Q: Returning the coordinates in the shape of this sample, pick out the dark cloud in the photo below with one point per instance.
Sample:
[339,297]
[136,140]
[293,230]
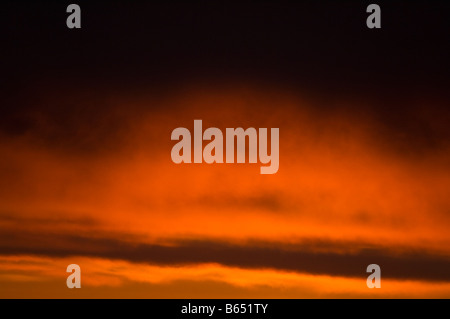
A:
[66,120]
[268,202]
[311,256]
[55,221]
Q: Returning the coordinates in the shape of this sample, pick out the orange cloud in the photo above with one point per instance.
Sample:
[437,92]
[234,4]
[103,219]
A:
[340,180]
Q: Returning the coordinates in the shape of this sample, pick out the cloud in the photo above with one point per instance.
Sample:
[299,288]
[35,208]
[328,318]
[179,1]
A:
[348,259]
[79,184]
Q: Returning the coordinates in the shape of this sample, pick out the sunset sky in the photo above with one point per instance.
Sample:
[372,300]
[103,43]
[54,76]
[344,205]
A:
[86,175]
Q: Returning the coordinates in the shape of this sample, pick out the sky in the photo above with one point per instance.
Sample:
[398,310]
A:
[86,175]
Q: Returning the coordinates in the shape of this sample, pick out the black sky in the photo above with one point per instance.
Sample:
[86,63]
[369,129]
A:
[322,47]
[319,44]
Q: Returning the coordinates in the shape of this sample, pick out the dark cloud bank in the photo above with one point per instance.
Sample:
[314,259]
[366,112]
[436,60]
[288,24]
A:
[308,257]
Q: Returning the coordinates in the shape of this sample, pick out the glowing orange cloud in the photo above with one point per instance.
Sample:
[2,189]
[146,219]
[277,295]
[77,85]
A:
[338,181]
